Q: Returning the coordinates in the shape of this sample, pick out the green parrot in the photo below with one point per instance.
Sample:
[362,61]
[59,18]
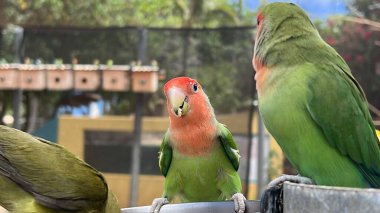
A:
[198,156]
[310,102]
[37,176]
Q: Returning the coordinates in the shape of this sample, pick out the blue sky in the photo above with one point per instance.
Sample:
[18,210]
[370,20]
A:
[317,9]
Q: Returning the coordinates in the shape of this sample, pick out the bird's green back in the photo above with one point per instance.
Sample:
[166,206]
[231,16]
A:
[47,175]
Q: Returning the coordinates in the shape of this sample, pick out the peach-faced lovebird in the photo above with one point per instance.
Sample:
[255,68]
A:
[311,103]
[39,176]
[198,156]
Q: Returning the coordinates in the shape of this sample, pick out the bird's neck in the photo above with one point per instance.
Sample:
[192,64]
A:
[193,134]
[287,42]
[275,52]
[261,73]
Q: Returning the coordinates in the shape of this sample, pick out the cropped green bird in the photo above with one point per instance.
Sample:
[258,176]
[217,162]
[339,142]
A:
[198,156]
[311,103]
[37,176]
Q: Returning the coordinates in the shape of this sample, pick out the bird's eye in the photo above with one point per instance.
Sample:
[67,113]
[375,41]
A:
[259,18]
[195,88]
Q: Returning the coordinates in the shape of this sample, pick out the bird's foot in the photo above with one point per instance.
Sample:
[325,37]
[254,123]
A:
[157,204]
[271,199]
[291,178]
[239,201]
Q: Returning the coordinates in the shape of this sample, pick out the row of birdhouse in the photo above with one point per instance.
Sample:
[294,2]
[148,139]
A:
[79,77]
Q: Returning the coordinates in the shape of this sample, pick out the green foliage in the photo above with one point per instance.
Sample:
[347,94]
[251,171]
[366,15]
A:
[7,45]
[369,8]
[68,13]
[154,13]
[221,61]
[83,45]
[219,84]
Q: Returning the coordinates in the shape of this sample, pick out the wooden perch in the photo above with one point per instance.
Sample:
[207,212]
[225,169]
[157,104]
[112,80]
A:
[374,24]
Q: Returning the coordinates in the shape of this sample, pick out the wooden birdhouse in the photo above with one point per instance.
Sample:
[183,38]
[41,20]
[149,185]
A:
[32,77]
[86,77]
[59,77]
[9,76]
[115,77]
[145,79]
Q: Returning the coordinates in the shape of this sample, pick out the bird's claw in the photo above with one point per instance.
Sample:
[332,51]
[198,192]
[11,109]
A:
[291,178]
[239,202]
[271,199]
[157,204]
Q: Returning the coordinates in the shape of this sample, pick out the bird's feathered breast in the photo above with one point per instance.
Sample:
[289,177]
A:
[195,139]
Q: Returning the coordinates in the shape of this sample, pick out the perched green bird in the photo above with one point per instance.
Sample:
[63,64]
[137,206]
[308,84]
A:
[37,176]
[311,103]
[198,156]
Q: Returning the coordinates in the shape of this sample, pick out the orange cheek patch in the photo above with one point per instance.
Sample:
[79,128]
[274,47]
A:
[261,73]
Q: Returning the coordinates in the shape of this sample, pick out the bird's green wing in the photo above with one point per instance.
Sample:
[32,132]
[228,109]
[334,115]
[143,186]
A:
[229,145]
[349,127]
[55,177]
[166,154]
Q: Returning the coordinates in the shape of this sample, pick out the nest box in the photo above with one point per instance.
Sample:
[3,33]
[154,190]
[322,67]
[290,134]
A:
[32,77]
[115,77]
[86,77]
[59,77]
[9,76]
[145,79]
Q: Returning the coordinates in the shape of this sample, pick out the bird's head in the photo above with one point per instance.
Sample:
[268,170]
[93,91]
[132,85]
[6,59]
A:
[186,99]
[278,23]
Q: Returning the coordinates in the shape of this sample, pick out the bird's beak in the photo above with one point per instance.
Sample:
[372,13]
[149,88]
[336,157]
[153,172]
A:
[179,102]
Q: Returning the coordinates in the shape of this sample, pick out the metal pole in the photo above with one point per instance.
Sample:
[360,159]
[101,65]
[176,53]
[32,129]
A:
[185,51]
[17,99]
[250,141]
[260,162]
[142,45]
[17,94]
[251,206]
[136,152]
[1,42]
